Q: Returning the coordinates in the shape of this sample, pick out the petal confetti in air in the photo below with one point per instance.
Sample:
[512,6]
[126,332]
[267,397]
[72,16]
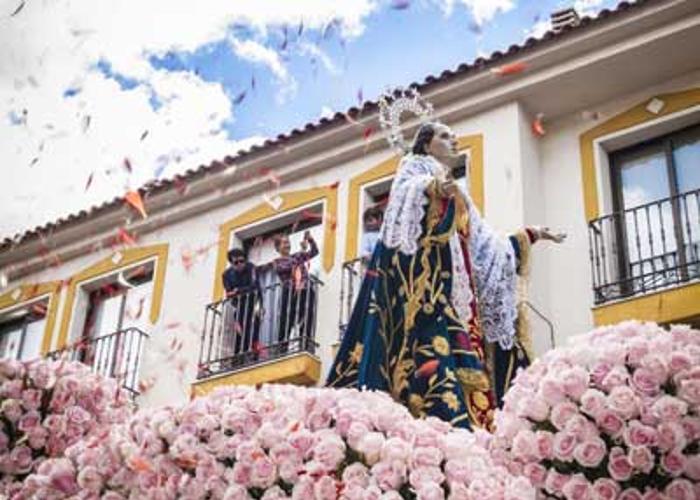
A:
[18,9]
[134,199]
[34,161]
[509,69]
[239,98]
[334,185]
[86,123]
[127,165]
[367,133]
[400,4]
[427,368]
[275,202]
[180,185]
[360,97]
[144,135]
[187,259]
[89,181]
[537,127]
[125,237]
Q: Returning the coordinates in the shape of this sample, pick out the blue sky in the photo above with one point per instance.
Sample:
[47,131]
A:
[169,87]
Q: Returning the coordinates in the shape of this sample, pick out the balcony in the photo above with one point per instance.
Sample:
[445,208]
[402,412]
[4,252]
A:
[350,283]
[117,355]
[648,248]
[249,340]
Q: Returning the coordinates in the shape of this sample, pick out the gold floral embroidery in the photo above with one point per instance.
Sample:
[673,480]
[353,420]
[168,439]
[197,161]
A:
[428,308]
[356,354]
[480,400]
[473,379]
[451,400]
[415,404]
[441,346]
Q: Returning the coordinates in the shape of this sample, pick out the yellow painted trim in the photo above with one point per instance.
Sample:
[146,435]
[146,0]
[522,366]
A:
[673,103]
[301,369]
[668,306]
[291,200]
[30,292]
[475,144]
[130,256]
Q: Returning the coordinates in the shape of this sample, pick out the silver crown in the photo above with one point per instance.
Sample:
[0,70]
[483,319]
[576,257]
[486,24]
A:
[392,104]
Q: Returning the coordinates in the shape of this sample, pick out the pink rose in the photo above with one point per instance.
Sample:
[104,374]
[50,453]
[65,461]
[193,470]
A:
[536,409]
[395,449]
[29,421]
[423,475]
[652,494]
[623,401]
[426,457]
[638,434]
[389,475]
[77,416]
[302,440]
[645,382]
[617,376]
[552,391]
[575,381]
[619,466]
[242,473]
[458,471]
[692,467]
[325,489]
[641,458]
[691,428]
[42,375]
[545,444]
[577,488]
[89,479]
[564,444]
[605,489]
[356,432]
[679,361]
[535,473]
[370,447]
[238,492]
[609,422]
[667,408]
[329,452]
[562,412]
[689,391]
[581,427]
[263,473]
[524,446]
[630,494]
[680,489]
[21,459]
[555,482]
[592,402]
[671,435]
[591,452]
[356,473]
[599,372]
[673,462]
[430,491]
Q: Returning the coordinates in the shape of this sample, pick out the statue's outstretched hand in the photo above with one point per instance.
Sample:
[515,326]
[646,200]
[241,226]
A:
[546,234]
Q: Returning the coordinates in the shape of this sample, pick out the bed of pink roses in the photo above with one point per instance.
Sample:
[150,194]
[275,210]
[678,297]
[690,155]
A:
[280,442]
[614,415]
[46,406]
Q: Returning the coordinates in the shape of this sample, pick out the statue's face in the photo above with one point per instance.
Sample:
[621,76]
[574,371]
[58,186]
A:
[444,143]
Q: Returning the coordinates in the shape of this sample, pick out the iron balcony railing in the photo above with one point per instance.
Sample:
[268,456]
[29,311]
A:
[350,282]
[254,327]
[645,248]
[117,355]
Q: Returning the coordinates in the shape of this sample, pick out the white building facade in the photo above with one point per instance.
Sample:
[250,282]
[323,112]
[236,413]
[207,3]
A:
[617,169]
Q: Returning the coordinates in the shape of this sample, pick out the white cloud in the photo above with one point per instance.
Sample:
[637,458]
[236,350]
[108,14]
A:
[255,52]
[482,10]
[51,46]
[326,112]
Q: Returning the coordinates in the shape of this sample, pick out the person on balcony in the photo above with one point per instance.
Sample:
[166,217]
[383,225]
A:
[298,296]
[244,305]
[436,323]
[372,222]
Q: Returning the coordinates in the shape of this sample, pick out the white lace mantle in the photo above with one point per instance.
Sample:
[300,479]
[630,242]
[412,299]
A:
[493,259]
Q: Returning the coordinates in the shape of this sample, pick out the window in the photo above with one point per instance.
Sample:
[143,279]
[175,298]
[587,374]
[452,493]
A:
[22,331]
[656,200]
[115,311]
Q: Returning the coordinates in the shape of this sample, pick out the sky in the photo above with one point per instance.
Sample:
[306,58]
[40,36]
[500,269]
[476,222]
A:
[100,97]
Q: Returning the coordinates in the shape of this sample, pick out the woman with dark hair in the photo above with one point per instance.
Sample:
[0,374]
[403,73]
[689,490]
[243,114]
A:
[436,323]
[298,299]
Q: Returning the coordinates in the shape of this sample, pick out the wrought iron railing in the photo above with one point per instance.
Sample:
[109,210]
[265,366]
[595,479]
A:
[254,327]
[645,248]
[117,355]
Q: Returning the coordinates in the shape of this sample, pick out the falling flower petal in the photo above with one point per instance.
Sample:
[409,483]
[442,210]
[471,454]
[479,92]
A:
[180,186]
[134,199]
[400,4]
[334,185]
[187,259]
[86,122]
[89,181]
[367,133]
[144,135]
[509,69]
[18,9]
[126,238]
[239,98]
[34,161]
[537,127]
[127,165]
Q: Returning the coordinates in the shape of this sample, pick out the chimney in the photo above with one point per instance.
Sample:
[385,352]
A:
[564,18]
